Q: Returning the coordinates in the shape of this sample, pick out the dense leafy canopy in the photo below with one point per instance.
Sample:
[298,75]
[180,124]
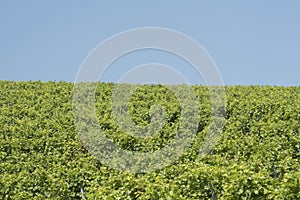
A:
[257,156]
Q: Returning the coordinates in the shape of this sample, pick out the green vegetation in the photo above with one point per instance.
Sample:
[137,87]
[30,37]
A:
[257,156]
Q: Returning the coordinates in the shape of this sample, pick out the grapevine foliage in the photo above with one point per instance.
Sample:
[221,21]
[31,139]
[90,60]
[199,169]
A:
[257,156]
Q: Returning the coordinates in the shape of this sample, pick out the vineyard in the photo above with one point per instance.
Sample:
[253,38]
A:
[256,156]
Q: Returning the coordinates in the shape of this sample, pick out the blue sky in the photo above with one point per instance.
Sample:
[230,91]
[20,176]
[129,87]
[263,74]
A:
[253,42]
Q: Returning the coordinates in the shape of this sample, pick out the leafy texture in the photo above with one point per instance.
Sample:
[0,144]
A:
[257,156]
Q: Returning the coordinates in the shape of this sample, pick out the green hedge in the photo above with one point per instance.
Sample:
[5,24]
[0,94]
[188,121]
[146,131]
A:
[257,156]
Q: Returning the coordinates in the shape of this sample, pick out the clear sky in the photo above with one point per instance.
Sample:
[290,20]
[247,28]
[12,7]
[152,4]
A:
[251,42]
